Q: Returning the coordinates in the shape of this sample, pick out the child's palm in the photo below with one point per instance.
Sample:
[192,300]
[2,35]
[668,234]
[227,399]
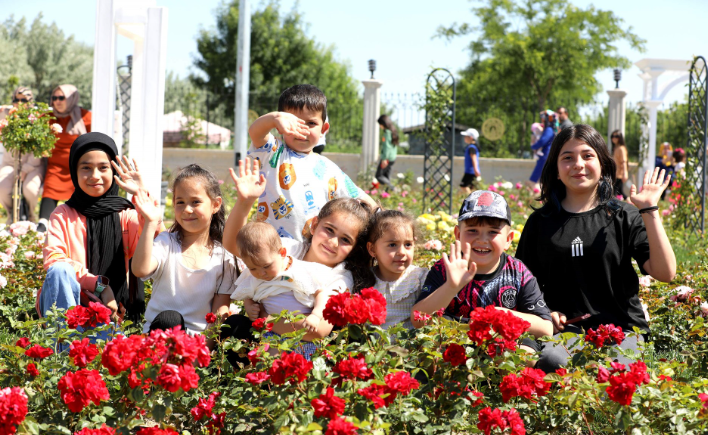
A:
[287,123]
[650,192]
[250,183]
[460,270]
[146,206]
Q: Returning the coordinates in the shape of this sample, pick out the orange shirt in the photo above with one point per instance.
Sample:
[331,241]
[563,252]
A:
[57,182]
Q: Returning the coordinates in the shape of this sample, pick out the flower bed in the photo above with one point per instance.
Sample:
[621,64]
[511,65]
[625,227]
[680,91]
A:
[444,378]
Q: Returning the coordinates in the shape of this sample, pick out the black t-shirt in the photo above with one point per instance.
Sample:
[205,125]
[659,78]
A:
[510,286]
[583,263]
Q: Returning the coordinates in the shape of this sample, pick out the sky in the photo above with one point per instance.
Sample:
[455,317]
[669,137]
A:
[398,34]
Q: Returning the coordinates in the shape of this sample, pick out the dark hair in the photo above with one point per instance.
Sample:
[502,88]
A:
[486,220]
[211,185]
[553,189]
[357,262]
[388,125]
[620,139]
[679,155]
[303,96]
[561,108]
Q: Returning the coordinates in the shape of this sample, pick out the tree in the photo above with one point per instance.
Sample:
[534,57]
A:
[531,53]
[42,57]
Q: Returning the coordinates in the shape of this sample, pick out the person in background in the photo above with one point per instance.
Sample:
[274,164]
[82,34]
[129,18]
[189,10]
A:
[543,145]
[565,122]
[536,132]
[665,161]
[74,121]
[619,154]
[31,172]
[389,150]
[471,160]
[679,157]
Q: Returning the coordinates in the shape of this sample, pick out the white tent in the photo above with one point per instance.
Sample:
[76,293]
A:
[175,123]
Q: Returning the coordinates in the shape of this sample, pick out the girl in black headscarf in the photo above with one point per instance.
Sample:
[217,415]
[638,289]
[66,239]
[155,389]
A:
[91,238]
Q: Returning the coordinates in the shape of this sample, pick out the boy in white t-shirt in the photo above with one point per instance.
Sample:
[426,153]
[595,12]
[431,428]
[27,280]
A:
[275,281]
[299,182]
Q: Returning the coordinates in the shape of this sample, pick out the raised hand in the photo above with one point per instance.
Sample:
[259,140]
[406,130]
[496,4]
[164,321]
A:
[654,184]
[146,207]
[460,271]
[129,177]
[250,183]
[289,124]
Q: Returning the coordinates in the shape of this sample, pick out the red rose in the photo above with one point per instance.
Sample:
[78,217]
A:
[83,352]
[703,397]
[260,323]
[169,378]
[291,366]
[254,355]
[13,409]
[375,393]
[509,326]
[23,342]
[357,310]
[455,354]
[561,371]
[210,318]
[603,334]
[421,317]
[376,303]
[665,378]
[217,422]
[603,375]
[479,397]
[401,382]
[514,421]
[257,378]
[489,419]
[77,316]
[204,406]
[529,384]
[335,311]
[103,430]
[338,426]
[120,353]
[156,431]
[38,351]
[81,388]
[353,368]
[100,314]
[32,369]
[623,384]
[328,405]
[190,378]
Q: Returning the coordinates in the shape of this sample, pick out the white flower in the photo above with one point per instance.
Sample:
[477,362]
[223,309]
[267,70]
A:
[433,245]
[400,175]
[704,308]
[645,281]
[419,180]
[3,281]
[446,177]
[646,311]
[507,185]
[56,128]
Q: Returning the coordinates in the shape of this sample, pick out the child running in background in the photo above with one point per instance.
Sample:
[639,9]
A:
[336,239]
[392,238]
[193,274]
[471,160]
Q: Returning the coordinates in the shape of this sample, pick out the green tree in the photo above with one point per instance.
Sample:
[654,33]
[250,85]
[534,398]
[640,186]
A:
[42,57]
[531,55]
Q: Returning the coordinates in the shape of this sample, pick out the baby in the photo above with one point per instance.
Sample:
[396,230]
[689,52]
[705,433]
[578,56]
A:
[275,281]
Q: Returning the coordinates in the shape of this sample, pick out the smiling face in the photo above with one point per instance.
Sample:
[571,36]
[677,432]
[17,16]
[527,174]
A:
[194,208]
[60,105]
[333,238]
[266,265]
[94,173]
[579,168]
[393,251]
[487,238]
[313,121]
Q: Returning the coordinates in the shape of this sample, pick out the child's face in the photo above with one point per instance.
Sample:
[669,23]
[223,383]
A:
[468,139]
[393,251]
[487,242]
[94,173]
[317,127]
[194,208]
[579,167]
[333,238]
[267,265]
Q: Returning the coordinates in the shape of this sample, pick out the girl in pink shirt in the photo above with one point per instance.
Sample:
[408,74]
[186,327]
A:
[91,238]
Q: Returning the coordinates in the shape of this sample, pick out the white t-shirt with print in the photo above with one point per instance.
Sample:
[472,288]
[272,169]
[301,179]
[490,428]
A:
[298,185]
[343,280]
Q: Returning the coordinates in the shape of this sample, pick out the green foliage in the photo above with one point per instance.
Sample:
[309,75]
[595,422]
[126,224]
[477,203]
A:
[42,57]
[27,129]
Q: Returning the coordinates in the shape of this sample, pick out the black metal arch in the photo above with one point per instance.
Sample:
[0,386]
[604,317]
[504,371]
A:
[697,141]
[439,140]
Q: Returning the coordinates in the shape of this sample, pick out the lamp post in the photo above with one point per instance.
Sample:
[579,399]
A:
[372,67]
[618,77]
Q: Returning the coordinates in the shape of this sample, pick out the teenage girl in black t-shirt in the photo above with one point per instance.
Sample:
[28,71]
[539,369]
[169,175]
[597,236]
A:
[581,243]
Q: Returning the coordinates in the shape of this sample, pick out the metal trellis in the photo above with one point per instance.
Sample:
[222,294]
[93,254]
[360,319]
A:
[697,141]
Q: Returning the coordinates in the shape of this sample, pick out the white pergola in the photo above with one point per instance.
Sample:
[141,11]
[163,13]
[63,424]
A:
[146,25]
[654,94]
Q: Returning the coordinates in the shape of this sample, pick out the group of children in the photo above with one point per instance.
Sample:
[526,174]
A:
[316,234]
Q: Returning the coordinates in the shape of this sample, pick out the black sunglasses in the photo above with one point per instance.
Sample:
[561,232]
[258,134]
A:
[614,136]
[23,100]
[60,98]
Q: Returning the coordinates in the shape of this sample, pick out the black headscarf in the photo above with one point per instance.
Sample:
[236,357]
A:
[104,245]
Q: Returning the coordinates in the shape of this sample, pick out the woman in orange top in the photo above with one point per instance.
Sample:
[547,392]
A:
[74,121]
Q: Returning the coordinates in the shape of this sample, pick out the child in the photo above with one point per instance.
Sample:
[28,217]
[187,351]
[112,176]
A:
[581,243]
[192,273]
[300,182]
[479,273]
[392,237]
[276,281]
[471,160]
[619,154]
[92,236]
[388,152]
[542,145]
[536,132]
[679,156]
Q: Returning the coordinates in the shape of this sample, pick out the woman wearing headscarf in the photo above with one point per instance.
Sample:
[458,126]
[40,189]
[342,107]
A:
[31,172]
[74,121]
[549,120]
[91,237]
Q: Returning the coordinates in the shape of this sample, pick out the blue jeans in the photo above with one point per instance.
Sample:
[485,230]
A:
[63,290]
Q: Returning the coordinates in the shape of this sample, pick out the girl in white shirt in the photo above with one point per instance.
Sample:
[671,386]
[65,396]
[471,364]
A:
[193,275]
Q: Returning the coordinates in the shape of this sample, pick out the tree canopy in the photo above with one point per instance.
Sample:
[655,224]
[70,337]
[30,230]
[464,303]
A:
[42,57]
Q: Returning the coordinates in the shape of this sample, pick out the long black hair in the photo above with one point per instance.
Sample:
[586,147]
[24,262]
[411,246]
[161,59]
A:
[386,122]
[211,186]
[553,189]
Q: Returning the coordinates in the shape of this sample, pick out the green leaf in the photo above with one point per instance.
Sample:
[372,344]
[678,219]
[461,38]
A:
[158,412]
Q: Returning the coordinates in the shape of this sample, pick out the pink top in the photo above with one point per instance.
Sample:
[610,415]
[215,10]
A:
[66,241]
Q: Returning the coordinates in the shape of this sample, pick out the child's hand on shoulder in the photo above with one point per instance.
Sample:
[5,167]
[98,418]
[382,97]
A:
[650,192]
[460,271]
[146,207]
[289,124]
[312,322]
[250,183]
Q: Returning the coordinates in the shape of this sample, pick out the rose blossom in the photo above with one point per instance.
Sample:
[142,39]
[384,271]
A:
[455,354]
[13,409]
[79,389]
[103,430]
[328,405]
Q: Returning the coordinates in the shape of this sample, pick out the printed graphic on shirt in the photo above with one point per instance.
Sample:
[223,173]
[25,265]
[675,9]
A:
[262,212]
[507,297]
[320,169]
[282,232]
[276,155]
[286,176]
[310,206]
[577,247]
[332,189]
[281,207]
[352,190]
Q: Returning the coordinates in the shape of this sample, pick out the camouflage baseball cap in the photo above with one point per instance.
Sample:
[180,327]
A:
[485,203]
